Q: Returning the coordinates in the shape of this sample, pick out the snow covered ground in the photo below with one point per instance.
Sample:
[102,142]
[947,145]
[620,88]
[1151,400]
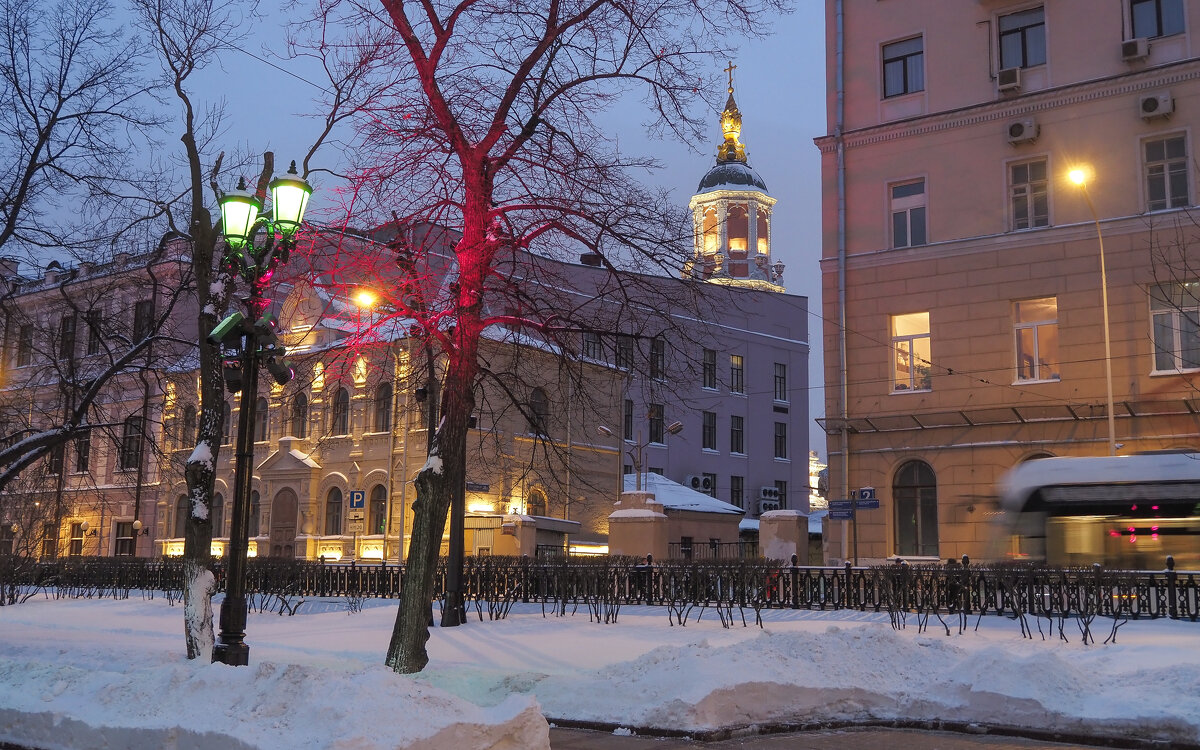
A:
[91,674]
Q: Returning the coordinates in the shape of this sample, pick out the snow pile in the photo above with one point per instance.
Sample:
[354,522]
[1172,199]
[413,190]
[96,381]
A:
[92,674]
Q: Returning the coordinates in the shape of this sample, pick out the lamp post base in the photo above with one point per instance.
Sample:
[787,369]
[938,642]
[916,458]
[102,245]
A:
[234,654]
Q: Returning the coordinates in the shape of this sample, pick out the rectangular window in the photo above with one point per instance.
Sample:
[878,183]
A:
[1023,39]
[93,324]
[658,358]
[624,352]
[737,435]
[709,376]
[1175,314]
[709,430]
[54,461]
[143,319]
[712,484]
[593,347]
[627,431]
[627,468]
[781,488]
[66,337]
[781,448]
[910,346]
[657,470]
[49,540]
[656,423]
[737,491]
[8,539]
[76,548]
[1027,194]
[781,389]
[1166,173]
[24,345]
[908,214]
[124,533]
[1036,323]
[1153,18]
[737,374]
[83,450]
[129,453]
[904,67]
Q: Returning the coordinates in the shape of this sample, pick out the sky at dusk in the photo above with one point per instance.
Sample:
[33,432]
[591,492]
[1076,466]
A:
[780,90]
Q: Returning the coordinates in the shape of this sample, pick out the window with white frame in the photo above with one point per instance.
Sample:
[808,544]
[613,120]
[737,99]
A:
[904,67]
[1027,193]
[1175,320]
[910,350]
[1036,324]
[1023,38]
[781,389]
[781,442]
[1154,18]
[1166,173]
[908,213]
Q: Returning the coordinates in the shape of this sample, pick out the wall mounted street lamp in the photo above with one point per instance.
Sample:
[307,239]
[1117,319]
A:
[635,452]
[247,339]
[84,528]
[1079,176]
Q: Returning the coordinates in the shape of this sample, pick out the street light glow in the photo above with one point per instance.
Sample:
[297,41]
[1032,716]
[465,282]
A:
[365,298]
[1077,176]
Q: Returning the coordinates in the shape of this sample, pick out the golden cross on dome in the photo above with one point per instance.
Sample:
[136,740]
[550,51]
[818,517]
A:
[730,70]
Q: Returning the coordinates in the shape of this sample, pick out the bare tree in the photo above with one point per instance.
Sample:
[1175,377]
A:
[488,124]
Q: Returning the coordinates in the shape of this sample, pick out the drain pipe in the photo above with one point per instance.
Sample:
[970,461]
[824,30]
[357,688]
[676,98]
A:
[843,385]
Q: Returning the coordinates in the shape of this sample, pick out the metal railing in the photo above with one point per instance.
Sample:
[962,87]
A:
[1011,590]
[741,550]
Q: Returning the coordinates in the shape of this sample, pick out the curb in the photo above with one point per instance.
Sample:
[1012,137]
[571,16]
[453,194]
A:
[960,727]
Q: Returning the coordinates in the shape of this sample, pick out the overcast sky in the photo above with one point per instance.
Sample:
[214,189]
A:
[780,90]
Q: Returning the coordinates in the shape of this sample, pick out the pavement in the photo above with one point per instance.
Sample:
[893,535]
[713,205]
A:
[830,739]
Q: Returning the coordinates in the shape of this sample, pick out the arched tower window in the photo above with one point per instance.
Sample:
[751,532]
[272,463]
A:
[763,231]
[738,230]
[711,229]
[914,494]
[340,422]
[300,416]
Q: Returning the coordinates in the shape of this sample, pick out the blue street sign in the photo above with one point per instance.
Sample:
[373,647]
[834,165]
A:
[841,515]
[840,505]
[866,493]
[358,500]
[871,504]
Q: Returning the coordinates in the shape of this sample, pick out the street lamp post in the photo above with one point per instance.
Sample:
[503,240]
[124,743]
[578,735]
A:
[1079,177]
[635,453]
[250,336]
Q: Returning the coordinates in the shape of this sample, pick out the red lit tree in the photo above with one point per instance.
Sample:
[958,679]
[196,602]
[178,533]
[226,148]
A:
[485,117]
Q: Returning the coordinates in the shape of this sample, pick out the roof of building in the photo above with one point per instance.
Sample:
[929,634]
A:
[731,176]
[675,496]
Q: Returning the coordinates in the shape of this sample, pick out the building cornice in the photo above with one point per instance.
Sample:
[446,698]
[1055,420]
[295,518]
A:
[1019,106]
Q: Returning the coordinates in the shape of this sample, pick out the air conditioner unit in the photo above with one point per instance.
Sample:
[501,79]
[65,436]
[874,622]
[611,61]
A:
[699,484]
[769,493]
[767,505]
[1133,50]
[1022,131]
[1009,79]
[1160,104]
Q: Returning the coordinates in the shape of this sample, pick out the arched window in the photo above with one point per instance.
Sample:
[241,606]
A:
[255,509]
[300,416]
[737,226]
[378,510]
[226,424]
[181,514]
[536,505]
[383,408]
[187,427]
[262,427]
[764,231]
[339,423]
[712,231]
[218,515]
[914,493]
[333,513]
[539,411]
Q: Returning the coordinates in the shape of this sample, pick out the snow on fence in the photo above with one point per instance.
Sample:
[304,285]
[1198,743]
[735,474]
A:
[1015,590]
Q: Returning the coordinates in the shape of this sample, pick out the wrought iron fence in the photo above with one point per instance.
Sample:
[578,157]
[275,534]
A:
[951,588]
[713,550]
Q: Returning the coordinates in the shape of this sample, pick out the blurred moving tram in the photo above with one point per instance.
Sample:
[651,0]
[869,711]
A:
[1122,511]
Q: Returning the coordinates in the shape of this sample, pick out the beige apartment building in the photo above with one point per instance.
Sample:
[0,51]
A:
[963,294]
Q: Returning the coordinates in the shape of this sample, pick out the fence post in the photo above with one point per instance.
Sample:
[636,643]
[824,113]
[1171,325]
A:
[1172,604]
[795,582]
[846,587]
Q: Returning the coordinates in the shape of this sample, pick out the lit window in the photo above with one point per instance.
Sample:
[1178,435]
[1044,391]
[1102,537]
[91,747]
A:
[910,347]
[737,374]
[1037,338]
[1166,173]
[1027,186]
[904,67]
[1175,313]
[1154,18]
[908,214]
[1023,39]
